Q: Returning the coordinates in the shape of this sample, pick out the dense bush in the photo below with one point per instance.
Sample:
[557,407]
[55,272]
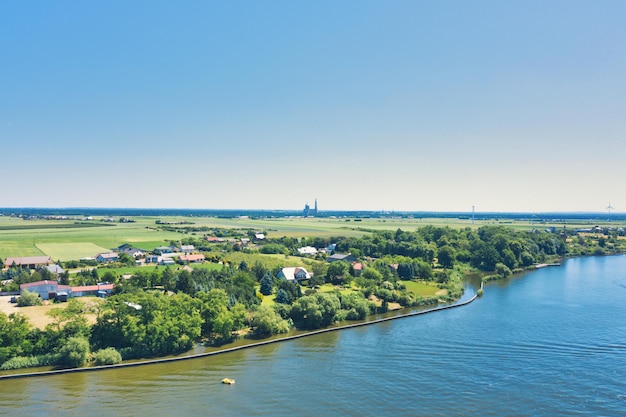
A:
[28,299]
[108,356]
[29,362]
[74,352]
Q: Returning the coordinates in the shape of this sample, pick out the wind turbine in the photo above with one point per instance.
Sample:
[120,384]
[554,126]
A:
[609,208]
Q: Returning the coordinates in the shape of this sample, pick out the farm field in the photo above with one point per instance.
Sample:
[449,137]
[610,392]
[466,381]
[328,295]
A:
[66,239]
[70,251]
[69,241]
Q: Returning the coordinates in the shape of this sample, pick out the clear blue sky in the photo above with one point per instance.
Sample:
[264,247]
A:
[395,105]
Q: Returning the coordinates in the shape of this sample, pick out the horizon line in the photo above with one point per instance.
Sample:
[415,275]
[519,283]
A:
[300,210]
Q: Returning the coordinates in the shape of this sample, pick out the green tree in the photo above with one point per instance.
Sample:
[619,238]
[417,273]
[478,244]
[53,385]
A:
[14,332]
[184,283]
[315,311]
[74,352]
[283,297]
[371,274]
[319,271]
[503,270]
[337,271]
[266,321]
[126,259]
[267,284]
[446,256]
[64,278]
[259,270]
[214,303]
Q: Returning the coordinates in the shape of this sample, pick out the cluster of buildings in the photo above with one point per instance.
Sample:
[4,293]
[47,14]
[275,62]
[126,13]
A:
[162,255]
[49,289]
[52,290]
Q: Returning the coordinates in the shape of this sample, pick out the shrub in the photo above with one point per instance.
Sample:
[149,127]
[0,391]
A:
[502,269]
[108,356]
[18,362]
[28,299]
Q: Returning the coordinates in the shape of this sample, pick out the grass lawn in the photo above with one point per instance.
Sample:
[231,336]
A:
[332,288]
[269,300]
[423,289]
[269,261]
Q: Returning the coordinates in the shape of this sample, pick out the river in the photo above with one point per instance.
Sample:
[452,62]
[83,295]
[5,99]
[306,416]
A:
[551,342]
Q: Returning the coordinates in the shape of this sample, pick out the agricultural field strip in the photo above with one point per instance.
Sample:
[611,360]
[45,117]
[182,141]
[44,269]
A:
[27,241]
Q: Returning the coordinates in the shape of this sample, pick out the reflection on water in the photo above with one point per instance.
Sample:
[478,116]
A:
[552,342]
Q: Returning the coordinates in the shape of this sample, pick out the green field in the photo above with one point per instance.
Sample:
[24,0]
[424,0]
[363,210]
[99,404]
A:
[75,241]
[70,251]
[422,289]
[269,261]
[66,239]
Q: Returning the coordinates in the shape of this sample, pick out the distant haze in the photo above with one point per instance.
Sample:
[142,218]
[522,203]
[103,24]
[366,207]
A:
[513,106]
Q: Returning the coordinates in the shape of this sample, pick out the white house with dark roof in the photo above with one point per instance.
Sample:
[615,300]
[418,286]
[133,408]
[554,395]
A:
[294,274]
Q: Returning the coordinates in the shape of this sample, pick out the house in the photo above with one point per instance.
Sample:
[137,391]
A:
[259,236]
[46,289]
[153,259]
[167,261]
[133,252]
[294,274]
[162,250]
[244,241]
[55,269]
[30,262]
[107,257]
[341,257]
[192,258]
[214,239]
[357,267]
[187,248]
[307,250]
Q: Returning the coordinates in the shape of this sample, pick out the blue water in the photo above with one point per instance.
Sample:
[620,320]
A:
[549,343]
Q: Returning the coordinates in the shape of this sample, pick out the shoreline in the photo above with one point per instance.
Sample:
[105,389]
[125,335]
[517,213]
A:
[241,347]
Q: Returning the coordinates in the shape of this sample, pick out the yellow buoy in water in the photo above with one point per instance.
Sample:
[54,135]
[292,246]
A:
[228,381]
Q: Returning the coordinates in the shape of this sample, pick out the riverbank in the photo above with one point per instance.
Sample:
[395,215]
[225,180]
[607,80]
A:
[241,347]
